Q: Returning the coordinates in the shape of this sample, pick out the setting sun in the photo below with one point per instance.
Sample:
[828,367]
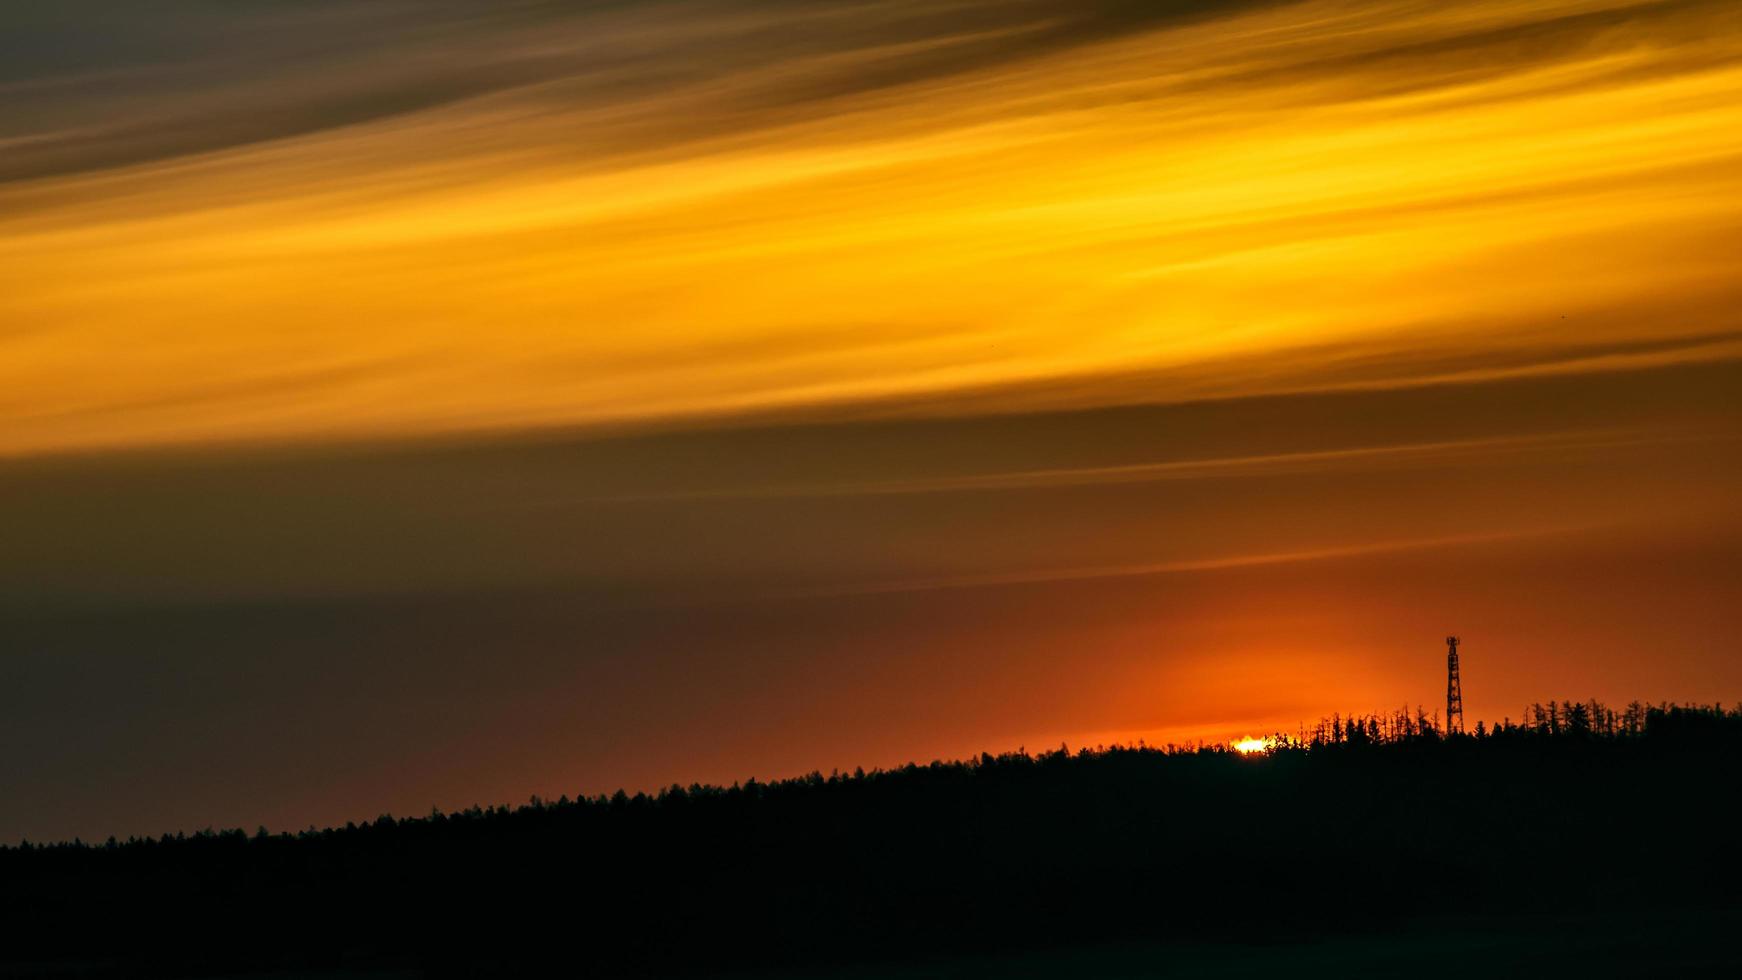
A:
[1251,746]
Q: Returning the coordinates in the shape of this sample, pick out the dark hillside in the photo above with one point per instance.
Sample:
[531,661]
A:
[1370,827]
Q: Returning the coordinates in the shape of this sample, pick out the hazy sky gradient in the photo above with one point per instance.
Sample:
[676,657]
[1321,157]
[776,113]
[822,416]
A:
[409,404]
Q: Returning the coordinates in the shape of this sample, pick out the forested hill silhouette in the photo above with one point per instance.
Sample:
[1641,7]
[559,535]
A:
[1358,825]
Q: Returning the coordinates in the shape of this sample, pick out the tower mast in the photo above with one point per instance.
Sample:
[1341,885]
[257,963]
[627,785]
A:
[1454,690]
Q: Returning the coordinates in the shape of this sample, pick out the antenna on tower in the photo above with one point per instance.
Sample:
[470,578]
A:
[1454,690]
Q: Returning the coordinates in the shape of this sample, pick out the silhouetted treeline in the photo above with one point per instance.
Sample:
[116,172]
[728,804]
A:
[1354,824]
[1578,719]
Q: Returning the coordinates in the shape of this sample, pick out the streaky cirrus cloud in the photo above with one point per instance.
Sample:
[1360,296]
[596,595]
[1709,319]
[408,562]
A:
[248,222]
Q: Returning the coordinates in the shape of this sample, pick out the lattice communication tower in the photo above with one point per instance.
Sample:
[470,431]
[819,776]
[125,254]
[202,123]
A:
[1454,690]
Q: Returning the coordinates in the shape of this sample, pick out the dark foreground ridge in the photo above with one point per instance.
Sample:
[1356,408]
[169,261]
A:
[1366,830]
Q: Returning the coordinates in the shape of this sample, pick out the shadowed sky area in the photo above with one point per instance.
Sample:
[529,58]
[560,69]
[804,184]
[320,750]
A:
[426,404]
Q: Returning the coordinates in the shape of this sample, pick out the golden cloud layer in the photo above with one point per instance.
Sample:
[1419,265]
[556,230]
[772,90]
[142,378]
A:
[672,211]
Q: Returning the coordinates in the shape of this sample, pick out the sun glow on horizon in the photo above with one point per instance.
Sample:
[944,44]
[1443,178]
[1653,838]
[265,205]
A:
[1252,746]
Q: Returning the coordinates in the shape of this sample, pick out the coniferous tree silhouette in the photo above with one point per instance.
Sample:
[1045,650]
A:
[1009,851]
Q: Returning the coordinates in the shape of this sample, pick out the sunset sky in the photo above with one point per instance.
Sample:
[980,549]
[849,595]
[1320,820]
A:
[425,404]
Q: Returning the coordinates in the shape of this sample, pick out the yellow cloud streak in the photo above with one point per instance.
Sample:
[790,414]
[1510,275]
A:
[1247,185]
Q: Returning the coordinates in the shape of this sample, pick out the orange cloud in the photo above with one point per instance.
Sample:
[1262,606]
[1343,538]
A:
[561,239]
